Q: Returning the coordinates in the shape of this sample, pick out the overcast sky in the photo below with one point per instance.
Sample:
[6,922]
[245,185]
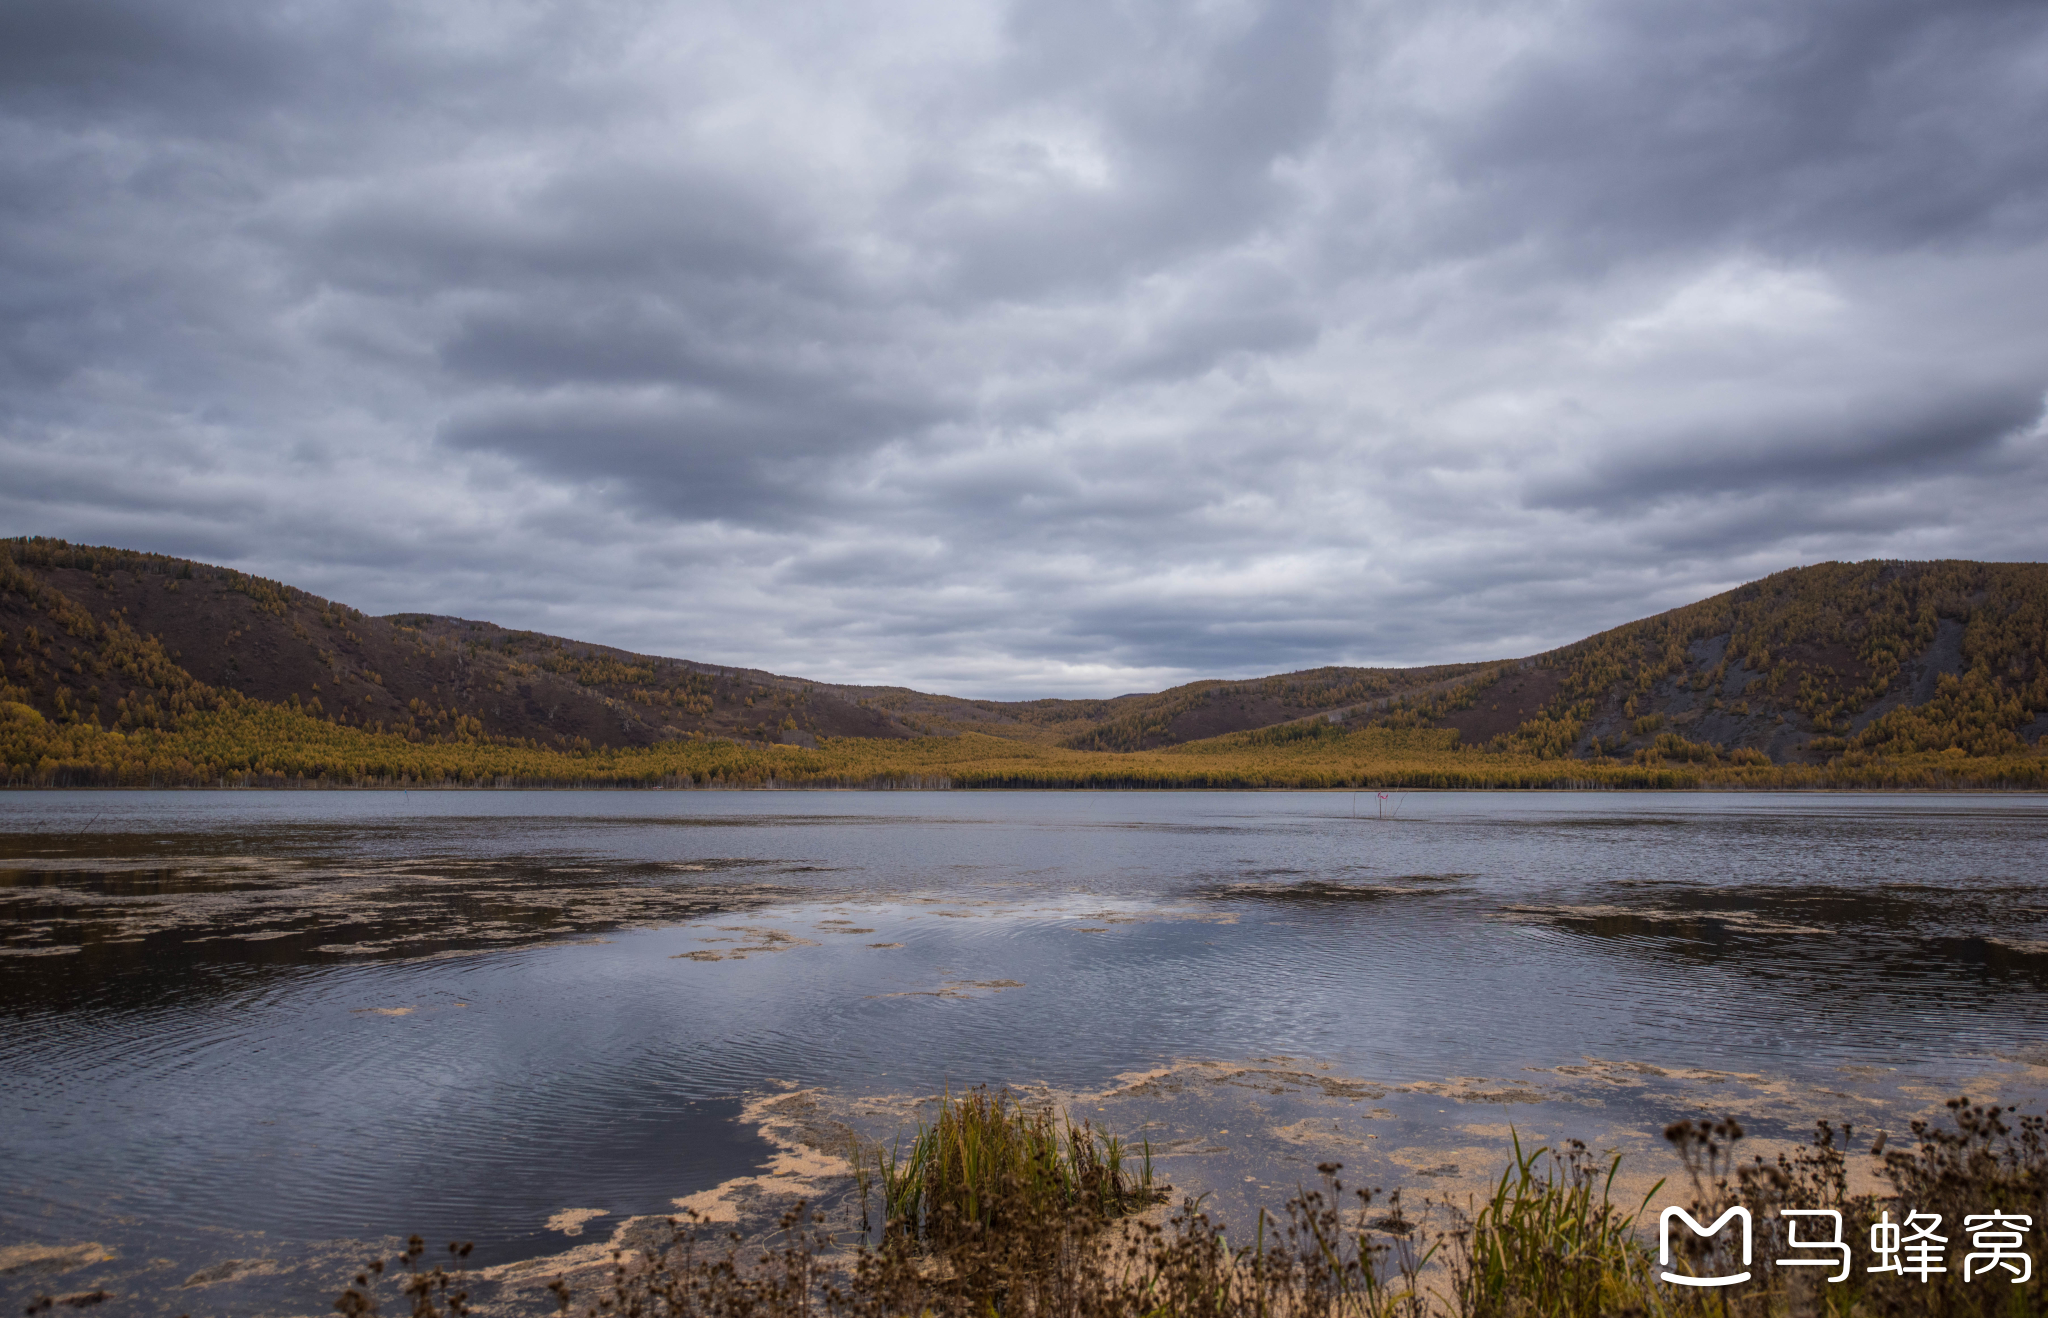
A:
[1063,347]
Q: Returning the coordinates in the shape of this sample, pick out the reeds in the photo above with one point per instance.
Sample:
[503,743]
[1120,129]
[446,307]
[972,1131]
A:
[1551,1240]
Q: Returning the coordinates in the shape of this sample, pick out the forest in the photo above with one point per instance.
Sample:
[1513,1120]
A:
[127,669]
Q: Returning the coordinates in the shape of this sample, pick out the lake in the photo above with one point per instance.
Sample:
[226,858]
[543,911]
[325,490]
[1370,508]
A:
[252,1036]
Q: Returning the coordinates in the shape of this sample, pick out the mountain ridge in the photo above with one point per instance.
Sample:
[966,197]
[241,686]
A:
[1806,666]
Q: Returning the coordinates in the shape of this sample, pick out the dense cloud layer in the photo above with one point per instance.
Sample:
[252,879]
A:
[1059,348]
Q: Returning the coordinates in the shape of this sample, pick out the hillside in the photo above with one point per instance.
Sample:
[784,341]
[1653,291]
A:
[1844,660]
[436,677]
[1801,667]
[1152,720]
[1836,666]
[131,640]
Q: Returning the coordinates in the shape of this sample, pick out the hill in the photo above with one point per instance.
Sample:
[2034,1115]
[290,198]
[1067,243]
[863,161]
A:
[431,676]
[110,657]
[128,640]
[1838,660]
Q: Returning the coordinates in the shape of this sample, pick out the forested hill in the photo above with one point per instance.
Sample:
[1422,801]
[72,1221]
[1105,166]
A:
[1838,662]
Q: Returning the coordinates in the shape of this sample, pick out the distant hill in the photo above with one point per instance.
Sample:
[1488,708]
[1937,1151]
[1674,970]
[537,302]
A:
[1803,667]
[432,676]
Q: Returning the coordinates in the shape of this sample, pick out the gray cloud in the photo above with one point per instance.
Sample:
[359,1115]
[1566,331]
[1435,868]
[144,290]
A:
[1028,349]
[1804,455]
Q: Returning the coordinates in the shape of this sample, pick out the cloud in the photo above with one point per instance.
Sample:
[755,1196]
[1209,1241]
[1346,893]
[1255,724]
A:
[1027,349]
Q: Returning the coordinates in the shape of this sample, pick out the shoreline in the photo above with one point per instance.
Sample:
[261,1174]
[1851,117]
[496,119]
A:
[1566,787]
[1241,1135]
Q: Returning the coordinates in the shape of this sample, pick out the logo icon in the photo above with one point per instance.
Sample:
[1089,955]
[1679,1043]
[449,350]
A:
[1664,1244]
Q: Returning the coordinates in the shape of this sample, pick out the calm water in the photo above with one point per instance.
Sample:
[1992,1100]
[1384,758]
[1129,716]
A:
[326,1016]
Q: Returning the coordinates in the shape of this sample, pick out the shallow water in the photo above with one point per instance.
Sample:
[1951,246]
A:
[336,1016]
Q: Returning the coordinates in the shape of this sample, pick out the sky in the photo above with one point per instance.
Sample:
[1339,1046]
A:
[1067,347]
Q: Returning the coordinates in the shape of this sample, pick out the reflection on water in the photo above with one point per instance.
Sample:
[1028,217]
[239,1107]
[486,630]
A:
[328,1016]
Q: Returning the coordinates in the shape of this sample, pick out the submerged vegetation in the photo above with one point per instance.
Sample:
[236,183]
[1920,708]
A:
[1003,1231]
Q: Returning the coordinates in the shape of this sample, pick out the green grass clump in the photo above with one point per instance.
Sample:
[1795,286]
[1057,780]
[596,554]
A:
[986,1163]
[1551,1241]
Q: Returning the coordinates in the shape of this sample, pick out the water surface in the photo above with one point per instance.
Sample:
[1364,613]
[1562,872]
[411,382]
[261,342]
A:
[327,1017]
